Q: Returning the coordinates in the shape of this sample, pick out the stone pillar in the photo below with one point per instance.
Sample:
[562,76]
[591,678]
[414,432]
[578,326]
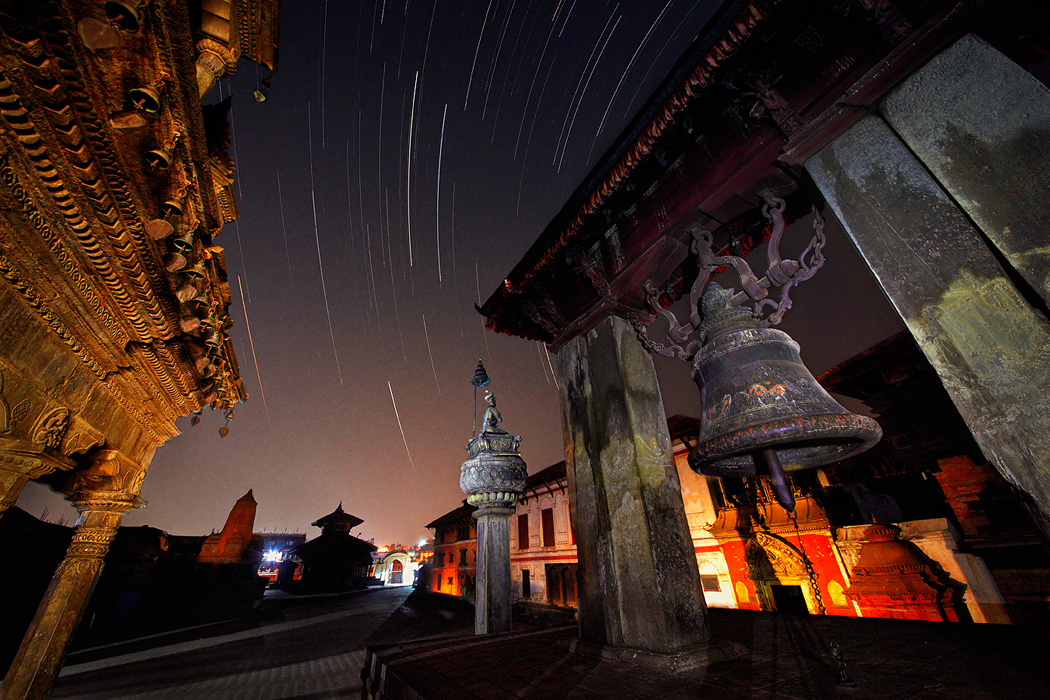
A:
[21,461]
[639,587]
[989,347]
[981,124]
[39,659]
[493,479]
[492,594]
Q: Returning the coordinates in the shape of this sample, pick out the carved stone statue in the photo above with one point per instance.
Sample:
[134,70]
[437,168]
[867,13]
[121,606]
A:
[492,417]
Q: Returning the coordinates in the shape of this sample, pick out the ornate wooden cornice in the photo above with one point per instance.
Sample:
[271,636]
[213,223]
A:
[766,82]
[108,210]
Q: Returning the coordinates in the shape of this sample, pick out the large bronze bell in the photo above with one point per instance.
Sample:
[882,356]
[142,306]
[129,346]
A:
[763,412]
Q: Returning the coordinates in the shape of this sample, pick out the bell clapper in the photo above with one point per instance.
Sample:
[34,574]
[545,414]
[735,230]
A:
[777,477]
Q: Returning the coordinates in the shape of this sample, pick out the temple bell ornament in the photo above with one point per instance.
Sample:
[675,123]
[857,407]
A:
[762,411]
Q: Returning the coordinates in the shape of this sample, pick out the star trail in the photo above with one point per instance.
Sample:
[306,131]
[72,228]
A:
[401,145]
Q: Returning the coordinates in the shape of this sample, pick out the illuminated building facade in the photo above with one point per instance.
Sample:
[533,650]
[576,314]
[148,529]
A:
[452,568]
[542,548]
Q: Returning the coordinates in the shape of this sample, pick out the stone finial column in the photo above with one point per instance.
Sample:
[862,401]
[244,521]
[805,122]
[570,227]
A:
[39,659]
[988,345]
[21,461]
[639,586]
[493,479]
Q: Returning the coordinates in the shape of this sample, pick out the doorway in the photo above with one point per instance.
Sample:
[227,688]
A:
[789,600]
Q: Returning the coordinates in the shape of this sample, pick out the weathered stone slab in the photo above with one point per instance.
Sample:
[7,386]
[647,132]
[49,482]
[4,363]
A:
[981,124]
[990,348]
[639,585]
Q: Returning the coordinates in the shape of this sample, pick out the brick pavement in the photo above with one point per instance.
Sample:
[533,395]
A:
[785,659]
[312,653]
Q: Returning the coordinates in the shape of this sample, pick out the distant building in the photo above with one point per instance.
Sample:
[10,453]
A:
[455,553]
[152,577]
[228,545]
[33,548]
[276,547]
[542,546]
[332,561]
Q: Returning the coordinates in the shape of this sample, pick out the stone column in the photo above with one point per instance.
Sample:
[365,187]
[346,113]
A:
[21,461]
[493,479]
[981,124]
[492,594]
[639,586]
[989,346]
[39,659]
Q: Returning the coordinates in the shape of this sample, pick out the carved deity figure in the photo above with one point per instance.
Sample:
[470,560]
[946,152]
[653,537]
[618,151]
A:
[492,418]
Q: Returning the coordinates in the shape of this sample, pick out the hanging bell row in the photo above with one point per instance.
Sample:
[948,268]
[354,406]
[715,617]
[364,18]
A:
[762,411]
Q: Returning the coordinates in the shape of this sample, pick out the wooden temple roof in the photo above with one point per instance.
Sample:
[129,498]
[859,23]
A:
[338,518]
[88,177]
[766,85]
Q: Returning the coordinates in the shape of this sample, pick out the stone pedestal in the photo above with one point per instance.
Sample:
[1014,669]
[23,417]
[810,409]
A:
[492,595]
[638,581]
[39,659]
[988,345]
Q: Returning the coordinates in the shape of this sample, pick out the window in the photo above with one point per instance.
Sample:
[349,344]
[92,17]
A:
[526,585]
[462,557]
[710,583]
[451,558]
[548,526]
[523,531]
[450,583]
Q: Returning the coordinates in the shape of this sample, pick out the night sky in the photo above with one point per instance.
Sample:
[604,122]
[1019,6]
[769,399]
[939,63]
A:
[405,158]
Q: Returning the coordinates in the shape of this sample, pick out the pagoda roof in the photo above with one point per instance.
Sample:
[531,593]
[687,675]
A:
[338,517]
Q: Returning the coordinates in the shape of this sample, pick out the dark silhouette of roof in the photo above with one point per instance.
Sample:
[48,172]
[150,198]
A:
[334,545]
[338,519]
[551,473]
[464,511]
[683,427]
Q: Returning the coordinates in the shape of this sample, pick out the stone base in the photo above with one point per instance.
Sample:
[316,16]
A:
[689,659]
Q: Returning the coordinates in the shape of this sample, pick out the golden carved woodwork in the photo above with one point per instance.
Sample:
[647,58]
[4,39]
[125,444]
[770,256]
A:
[769,557]
[75,195]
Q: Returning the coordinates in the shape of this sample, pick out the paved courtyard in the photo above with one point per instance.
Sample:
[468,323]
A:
[314,651]
[784,658]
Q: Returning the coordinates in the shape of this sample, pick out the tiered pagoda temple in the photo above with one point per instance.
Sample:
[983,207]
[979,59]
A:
[113,290]
[335,560]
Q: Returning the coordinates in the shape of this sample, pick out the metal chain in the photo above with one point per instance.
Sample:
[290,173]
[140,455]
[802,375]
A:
[844,678]
[643,335]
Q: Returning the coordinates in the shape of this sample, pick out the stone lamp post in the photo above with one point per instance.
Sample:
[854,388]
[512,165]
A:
[493,479]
